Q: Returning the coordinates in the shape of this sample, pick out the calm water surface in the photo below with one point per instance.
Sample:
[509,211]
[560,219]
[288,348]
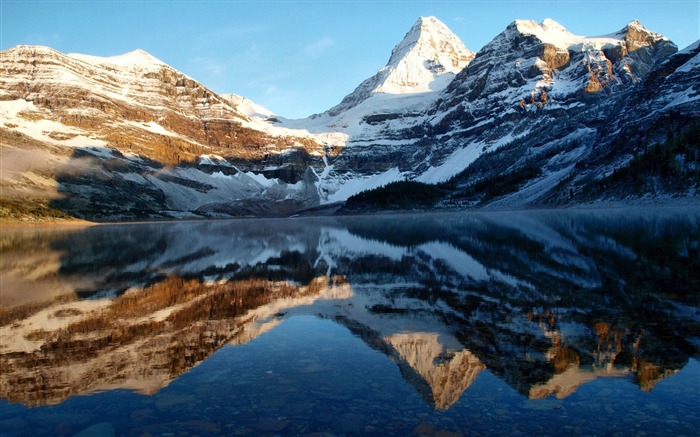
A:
[531,323]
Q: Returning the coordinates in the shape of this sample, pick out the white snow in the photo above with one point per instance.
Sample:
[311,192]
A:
[455,163]
[136,58]
[460,159]
[364,183]
[429,42]
[420,67]
[549,31]
[251,109]
[24,117]
[693,62]
[154,127]
[691,48]
[212,159]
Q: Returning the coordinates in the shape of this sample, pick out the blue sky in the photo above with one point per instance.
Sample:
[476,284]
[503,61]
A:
[302,57]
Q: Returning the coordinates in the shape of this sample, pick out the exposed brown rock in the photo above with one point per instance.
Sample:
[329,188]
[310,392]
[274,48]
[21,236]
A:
[102,96]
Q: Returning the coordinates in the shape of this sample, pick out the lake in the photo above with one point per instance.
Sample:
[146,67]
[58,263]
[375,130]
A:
[479,323]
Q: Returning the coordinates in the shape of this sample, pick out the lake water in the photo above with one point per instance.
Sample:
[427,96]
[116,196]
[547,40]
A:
[518,323]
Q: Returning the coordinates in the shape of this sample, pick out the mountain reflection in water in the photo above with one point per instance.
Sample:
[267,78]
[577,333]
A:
[546,301]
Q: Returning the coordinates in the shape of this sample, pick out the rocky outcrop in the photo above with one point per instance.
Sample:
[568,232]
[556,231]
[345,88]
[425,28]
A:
[529,79]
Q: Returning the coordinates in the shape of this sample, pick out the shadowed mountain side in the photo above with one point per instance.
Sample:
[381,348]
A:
[103,184]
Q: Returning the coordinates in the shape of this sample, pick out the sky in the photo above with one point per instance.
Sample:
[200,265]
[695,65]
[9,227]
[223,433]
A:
[298,58]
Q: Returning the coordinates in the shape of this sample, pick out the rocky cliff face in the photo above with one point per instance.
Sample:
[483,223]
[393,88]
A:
[533,75]
[544,64]
[598,151]
[133,102]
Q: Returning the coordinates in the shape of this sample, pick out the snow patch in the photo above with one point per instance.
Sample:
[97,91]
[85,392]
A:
[354,186]
[24,117]
[136,58]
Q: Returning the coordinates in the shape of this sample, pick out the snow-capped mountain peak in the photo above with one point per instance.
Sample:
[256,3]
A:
[428,53]
[426,60]
[548,31]
[636,36]
[138,58]
[431,38]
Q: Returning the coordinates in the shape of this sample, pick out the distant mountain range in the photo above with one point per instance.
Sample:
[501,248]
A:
[538,117]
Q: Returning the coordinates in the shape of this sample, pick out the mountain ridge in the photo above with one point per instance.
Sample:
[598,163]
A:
[186,151]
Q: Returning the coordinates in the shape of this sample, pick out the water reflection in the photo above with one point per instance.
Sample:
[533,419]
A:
[546,301]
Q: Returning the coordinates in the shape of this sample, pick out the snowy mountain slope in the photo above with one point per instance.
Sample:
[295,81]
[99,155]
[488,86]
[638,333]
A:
[659,122]
[129,136]
[526,79]
[425,60]
[572,159]
[373,119]
[134,91]
[527,59]
[533,74]
[421,65]
[251,109]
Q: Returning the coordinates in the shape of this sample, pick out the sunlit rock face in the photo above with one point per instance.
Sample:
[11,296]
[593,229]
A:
[133,102]
[544,66]
[544,301]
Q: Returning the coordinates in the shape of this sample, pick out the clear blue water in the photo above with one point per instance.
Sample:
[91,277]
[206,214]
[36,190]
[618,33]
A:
[483,324]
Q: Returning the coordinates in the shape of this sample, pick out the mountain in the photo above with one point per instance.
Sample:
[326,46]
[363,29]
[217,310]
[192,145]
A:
[558,150]
[527,79]
[128,136]
[132,100]
[528,76]
[538,116]
[368,124]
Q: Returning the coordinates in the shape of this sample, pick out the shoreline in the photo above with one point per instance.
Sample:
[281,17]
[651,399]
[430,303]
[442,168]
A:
[668,202]
[53,222]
